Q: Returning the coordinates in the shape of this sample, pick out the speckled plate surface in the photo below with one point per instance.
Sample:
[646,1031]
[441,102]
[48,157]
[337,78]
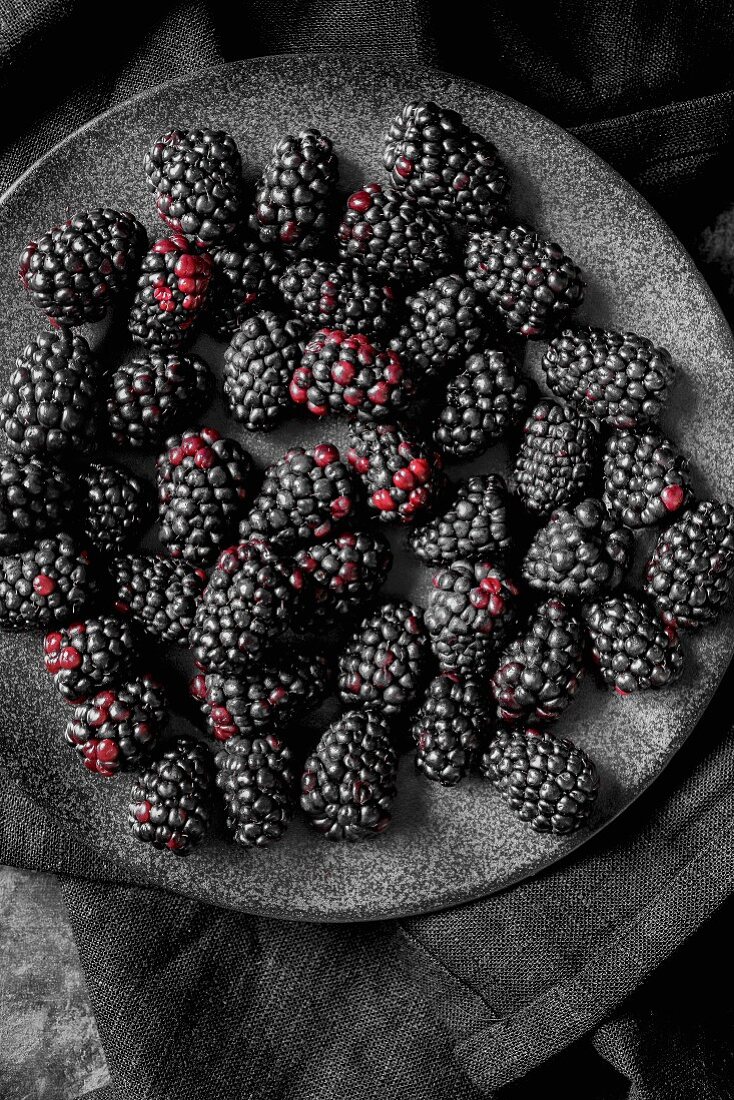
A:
[446,846]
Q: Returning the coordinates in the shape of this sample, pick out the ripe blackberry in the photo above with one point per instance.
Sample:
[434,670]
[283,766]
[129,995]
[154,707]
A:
[470,610]
[617,377]
[632,648]
[449,729]
[196,177]
[403,477]
[383,664]
[445,323]
[689,575]
[257,369]
[579,554]
[50,403]
[170,803]
[259,702]
[115,507]
[44,585]
[88,655]
[474,527]
[539,672]
[349,781]
[171,295]
[325,294]
[303,498]
[432,153]
[554,465]
[76,270]
[255,777]
[36,496]
[545,780]
[394,235]
[646,479]
[251,599]
[152,393]
[202,485]
[119,726]
[529,281]
[482,404]
[349,374]
[345,571]
[158,593]
[244,278]
[293,197]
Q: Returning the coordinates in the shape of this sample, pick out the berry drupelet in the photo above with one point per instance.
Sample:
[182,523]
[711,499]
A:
[258,365]
[616,377]
[339,373]
[325,294]
[295,193]
[88,655]
[47,584]
[202,485]
[36,496]
[119,726]
[470,611]
[170,803]
[50,404]
[689,576]
[243,282]
[545,780]
[343,573]
[555,463]
[445,324]
[475,526]
[449,728]
[540,671]
[159,594]
[632,648]
[171,296]
[530,282]
[403,477]
[257,784]
[646,479]
[384,663]
[76,270]
[482,404]
[115,507]
[152,393]
[349,781]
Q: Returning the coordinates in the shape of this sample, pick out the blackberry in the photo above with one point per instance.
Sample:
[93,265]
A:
[554,465]
[36,496]
[345,571]
[539,672]
[474,526]
[76,270]
[403,477]
[349,374]
[255,777]
[449,729]
[645,478]
[579,554]
[303,498]
[196,177]
[530,282]
[433,154]
[251,599]
[632,648]
[613,376]
[293,197]
[115,507]
[545,780]
[349,781]
[171,295]
[50,403]
[44,585]
[325,294]
[88,655]
[257,369]
[259,702]
[445,324]
[202,485]
[690,572]
[482,405]
[119,726]
[159,594]
[244,278]
[383,664]
[170,802]
[470,611]
[152,393]
[393,235]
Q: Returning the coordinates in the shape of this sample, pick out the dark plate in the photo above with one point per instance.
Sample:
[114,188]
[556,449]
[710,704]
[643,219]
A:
[446,846]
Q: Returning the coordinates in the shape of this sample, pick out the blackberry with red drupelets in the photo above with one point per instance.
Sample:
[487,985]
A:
[342,573]
[171,296]
[475,526]
[384,663]
[152,392]
[170,803]
[49,583]
[646,479]
[402,476]
[293,197]
[450,728]
[88,655]
[119,726]
[352,375]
